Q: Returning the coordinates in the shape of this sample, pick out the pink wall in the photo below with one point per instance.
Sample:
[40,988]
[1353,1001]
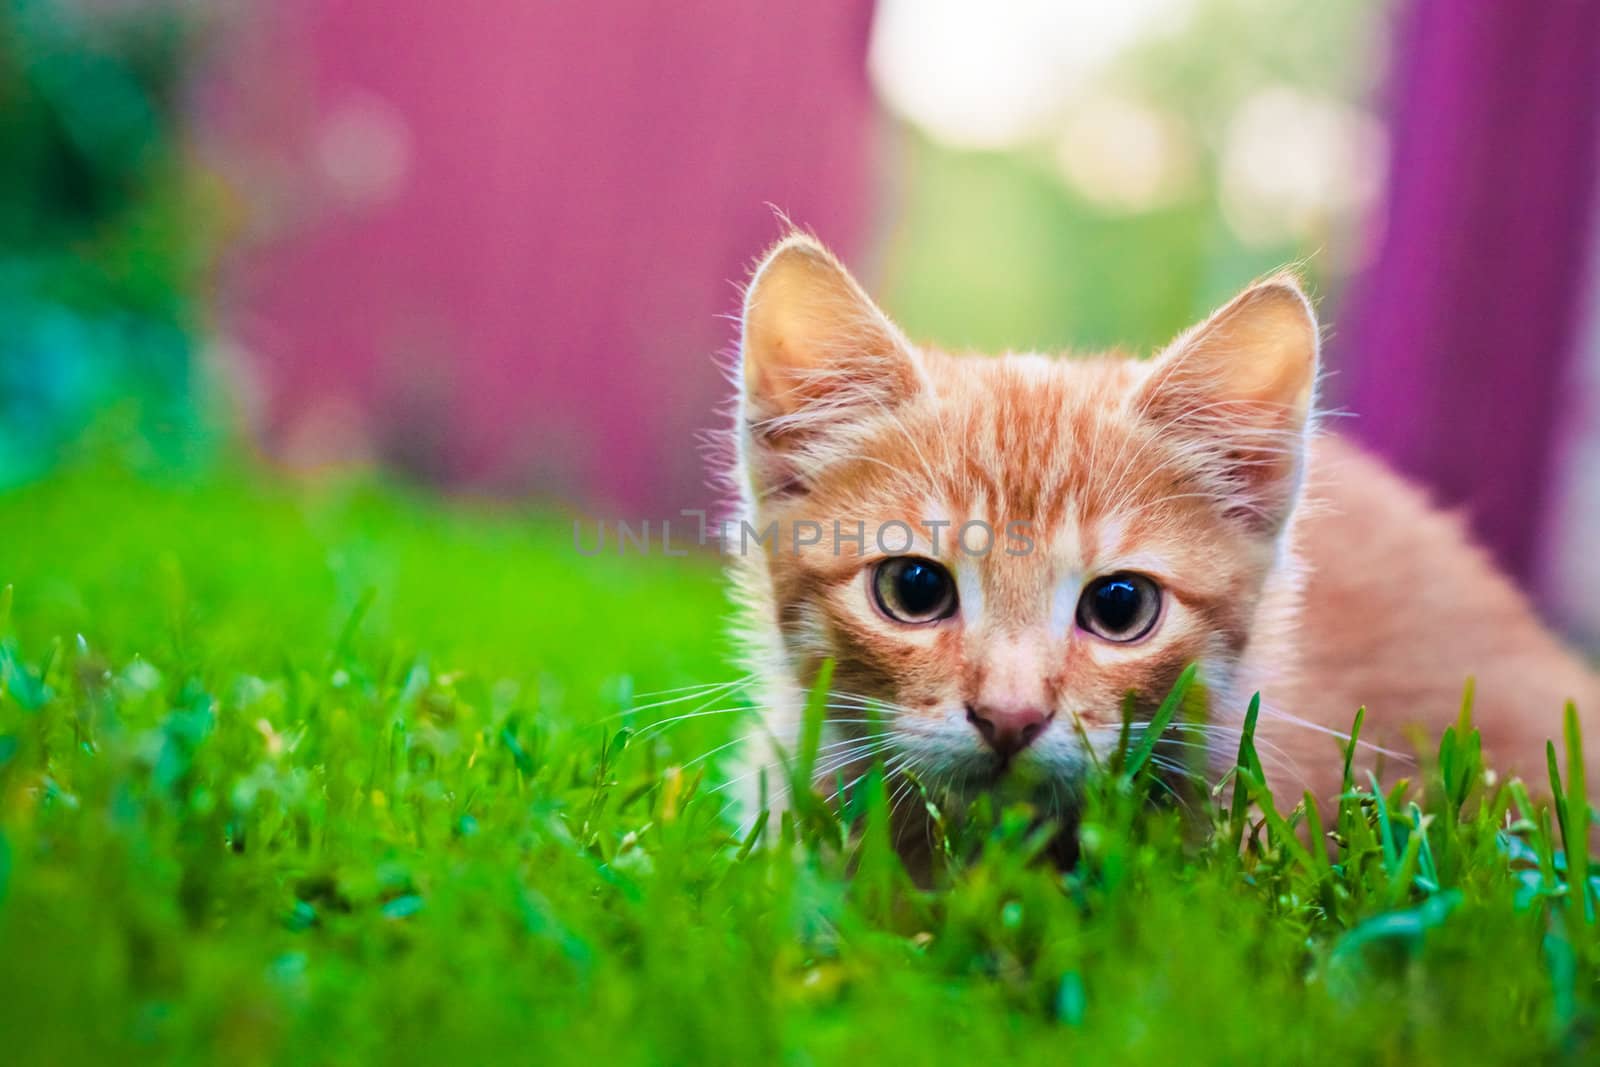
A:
[1459,335]
[497,237]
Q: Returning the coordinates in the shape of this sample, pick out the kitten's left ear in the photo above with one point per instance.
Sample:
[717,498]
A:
[1238,388]
[816,357]
[813,342]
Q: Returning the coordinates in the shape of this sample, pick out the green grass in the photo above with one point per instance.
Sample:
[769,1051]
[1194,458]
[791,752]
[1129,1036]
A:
[339,775]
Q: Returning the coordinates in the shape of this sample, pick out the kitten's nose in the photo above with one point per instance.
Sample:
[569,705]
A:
[1009,730]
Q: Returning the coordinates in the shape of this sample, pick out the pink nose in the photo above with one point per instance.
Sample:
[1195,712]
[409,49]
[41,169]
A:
[1008,730]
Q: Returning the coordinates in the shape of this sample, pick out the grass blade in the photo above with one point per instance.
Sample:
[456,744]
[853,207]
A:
[1391,851]
[1159,722]
[811,726]
[1557,795]
[1577,820]
[1246,763]
[1350,750]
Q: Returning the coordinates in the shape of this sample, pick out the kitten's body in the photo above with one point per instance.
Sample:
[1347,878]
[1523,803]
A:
[1398,610]
[1282,563]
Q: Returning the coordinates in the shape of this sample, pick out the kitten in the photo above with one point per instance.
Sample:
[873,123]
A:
[997,551]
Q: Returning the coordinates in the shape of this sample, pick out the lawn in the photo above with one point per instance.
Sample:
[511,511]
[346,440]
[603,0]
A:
[344,774]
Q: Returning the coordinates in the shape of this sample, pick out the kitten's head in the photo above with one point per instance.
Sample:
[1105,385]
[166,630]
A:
[1001,549]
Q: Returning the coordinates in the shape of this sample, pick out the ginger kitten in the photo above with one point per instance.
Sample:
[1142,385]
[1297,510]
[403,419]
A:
[996,551]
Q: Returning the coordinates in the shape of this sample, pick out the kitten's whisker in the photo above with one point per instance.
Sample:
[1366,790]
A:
[882,724]
[838,761]
[902,793]
[870,747]
[707,755]
[771,765]
[742,680]
[870,739]
[654,729]
[689,693]
[657,727]
[1231,734]
[1317,727]
[890,768]
[1272,755]
[862,700]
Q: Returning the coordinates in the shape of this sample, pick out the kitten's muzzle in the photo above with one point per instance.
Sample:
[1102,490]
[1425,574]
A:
[1008,730]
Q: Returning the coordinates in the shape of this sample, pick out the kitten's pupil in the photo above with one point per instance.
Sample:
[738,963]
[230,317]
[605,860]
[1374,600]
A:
[1116,603]
[914,590]
[921,588]
[1119,607]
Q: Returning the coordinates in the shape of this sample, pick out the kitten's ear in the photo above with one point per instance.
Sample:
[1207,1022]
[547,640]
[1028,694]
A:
[814,347]
[1238,388]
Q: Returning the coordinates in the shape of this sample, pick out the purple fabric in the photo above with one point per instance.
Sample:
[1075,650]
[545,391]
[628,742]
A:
[537,306]
[1454,347]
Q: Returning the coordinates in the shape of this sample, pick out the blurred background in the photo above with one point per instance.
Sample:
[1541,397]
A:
[493,248]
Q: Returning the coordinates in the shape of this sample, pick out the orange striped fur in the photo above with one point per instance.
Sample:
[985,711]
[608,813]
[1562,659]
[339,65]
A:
[1288,563]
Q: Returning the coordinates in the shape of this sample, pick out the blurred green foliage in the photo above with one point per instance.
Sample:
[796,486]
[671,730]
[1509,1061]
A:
[104,243]
[996,255]
[996,251]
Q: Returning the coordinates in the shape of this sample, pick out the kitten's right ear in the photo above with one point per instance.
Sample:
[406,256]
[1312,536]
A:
[1238,389]
[814,349]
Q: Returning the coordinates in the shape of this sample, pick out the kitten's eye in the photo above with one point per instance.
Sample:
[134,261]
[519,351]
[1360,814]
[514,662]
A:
[912,589]
[1119,607]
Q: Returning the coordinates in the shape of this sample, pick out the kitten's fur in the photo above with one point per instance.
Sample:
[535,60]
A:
[1290,563]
